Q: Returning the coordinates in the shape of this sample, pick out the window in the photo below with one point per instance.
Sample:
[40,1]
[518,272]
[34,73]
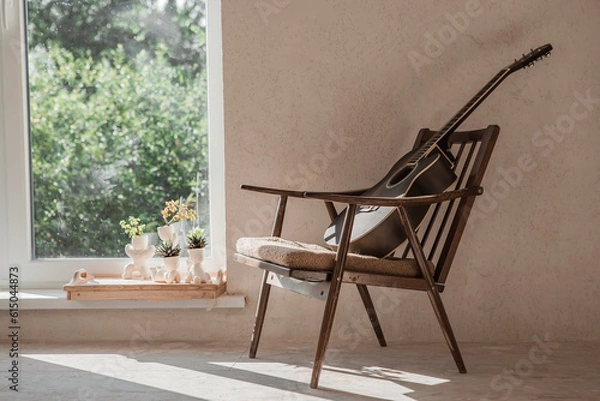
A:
[105,117]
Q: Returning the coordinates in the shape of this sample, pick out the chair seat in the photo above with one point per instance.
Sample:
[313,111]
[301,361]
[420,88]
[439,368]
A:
[302,256]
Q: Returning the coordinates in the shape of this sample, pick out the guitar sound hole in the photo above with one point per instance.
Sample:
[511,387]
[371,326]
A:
[402,174]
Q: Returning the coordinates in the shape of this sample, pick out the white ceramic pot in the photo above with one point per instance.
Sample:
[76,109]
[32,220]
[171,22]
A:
[171,263]
[167,233]
[140,242]
[196,273]
[196,255]
[171,266]
[139,252]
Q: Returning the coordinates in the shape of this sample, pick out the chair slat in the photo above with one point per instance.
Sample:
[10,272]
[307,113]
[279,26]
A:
[484,141]
[441,234]
[436,210]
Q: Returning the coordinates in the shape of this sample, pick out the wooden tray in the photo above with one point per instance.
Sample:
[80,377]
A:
[104,288]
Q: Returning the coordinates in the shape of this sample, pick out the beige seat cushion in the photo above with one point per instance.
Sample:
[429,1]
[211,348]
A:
[299,255]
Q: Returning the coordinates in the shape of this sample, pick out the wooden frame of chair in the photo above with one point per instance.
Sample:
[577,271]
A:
[472,162]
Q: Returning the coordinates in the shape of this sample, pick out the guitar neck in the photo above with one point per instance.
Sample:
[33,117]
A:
[451,125]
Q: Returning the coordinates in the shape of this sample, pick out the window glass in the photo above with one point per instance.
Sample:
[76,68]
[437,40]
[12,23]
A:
[117,119]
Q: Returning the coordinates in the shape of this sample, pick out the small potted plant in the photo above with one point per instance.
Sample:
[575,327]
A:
[134,227]
[170,254]
[195,244]
[174,211]
[138,250]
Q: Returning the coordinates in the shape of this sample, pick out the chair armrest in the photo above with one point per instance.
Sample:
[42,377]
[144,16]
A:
[395,202]
[273,191]
[295,194]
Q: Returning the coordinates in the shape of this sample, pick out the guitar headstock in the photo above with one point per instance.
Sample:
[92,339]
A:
[530,58]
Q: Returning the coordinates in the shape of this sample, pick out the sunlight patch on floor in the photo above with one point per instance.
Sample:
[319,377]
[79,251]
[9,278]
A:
[263,380]
[290,382]
[206,386]
[343,380]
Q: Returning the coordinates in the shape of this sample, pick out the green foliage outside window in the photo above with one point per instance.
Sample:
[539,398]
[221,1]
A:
[118,120]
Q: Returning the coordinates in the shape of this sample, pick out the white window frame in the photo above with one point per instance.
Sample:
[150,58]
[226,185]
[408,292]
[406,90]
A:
[15,190]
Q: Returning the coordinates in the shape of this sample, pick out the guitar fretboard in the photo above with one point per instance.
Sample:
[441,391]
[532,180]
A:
[451,125]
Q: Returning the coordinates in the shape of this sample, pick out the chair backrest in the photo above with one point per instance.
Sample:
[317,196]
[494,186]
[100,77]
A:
[442,229]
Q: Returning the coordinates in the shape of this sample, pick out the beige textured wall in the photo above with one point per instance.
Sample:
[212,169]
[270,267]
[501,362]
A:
[327,94]
[322,94]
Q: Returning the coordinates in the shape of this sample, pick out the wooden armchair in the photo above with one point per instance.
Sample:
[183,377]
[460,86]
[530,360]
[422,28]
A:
[421,264]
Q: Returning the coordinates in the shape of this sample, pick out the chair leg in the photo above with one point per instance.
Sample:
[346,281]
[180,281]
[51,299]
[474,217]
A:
[261,309]
[334,294]
[440,312]
[368,302]
[432,291]
[325,334]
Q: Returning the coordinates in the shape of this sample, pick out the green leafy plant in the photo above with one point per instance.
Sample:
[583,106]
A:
[166,249]
[175,211]
[196,239]
[133,227]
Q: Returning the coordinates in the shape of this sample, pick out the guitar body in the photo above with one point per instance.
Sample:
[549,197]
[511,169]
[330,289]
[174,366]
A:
[378,231]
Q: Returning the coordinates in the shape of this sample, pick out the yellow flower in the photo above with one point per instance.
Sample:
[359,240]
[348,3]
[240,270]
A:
[175,211]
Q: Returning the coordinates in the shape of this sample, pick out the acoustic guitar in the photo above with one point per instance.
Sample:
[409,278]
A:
[426,170]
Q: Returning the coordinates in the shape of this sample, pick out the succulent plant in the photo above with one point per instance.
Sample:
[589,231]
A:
[196,239]
[166,249]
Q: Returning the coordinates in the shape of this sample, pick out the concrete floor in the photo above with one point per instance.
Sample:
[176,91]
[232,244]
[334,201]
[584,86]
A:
[216,371]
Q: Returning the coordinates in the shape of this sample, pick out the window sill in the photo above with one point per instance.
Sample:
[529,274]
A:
[49,299]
